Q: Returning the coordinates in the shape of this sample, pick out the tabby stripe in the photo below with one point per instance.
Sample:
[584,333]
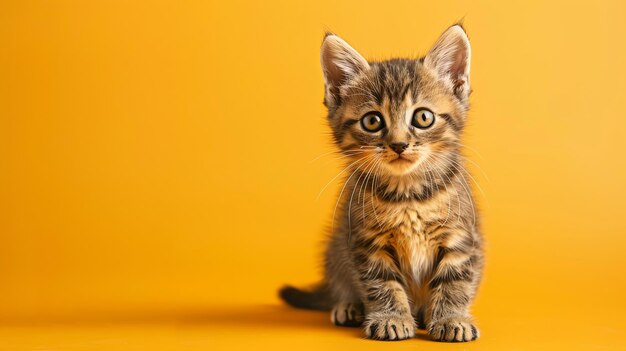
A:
[452,122]
[452,274]
[347,124]
[373,270]
[389,295]
[428,191]
[393,254]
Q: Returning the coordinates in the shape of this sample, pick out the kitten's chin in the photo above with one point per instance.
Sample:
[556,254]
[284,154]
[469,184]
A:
[400,166]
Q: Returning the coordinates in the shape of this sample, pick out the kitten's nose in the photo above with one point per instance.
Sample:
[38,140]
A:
[399,147]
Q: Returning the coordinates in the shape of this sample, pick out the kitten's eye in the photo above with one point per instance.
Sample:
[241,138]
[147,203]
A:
[423,118]
[372,122]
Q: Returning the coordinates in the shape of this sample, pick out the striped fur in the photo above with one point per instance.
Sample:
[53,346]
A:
[405,250]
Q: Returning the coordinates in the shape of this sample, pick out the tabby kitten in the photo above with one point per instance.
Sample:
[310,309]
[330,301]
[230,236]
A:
[405,249]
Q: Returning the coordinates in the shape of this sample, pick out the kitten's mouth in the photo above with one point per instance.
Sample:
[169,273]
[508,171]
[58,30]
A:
[402,164]
[400,159]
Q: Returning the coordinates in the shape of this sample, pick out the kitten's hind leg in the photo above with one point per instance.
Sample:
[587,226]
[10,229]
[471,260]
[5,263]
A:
[347,314]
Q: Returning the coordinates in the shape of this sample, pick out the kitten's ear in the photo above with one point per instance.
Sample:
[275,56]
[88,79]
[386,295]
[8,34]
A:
[450,58]
[340,63]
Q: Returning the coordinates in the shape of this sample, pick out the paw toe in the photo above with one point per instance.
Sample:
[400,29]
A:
[347,315]
[390,327]
[453,330]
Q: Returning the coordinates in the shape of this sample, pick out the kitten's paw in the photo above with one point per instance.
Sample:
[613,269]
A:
[455,329]
[347,314]
[389,326]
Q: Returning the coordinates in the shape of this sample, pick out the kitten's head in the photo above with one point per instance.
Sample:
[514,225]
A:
[398,117]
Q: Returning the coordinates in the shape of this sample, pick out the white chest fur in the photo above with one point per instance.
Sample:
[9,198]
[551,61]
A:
[413,244]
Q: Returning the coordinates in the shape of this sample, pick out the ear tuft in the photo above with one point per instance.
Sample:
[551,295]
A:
[340,63]
[450,57]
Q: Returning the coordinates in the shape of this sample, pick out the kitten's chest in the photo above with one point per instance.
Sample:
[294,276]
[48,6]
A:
[415,247]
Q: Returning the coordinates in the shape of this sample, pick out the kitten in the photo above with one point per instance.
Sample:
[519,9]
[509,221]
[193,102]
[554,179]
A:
[405,250]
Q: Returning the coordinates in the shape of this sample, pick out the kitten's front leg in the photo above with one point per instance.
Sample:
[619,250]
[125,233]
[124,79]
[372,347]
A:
[452,287]
[388,315]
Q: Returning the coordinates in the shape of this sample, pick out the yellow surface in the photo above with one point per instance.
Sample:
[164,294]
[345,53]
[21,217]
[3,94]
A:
[156,183]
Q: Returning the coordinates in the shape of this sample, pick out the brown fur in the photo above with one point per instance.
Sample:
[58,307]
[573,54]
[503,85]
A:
[405,248]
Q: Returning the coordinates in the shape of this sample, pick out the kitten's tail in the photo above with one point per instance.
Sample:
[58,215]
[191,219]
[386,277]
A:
[317,298]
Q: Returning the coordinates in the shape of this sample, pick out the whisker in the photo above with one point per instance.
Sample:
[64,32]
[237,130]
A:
[469,148]
[341,157]
[335,177]
[477,166]
[375,184]
[344,187]
[370,171]
[465,185]
[356,184]
[334,152]
[461,168]
[433,168]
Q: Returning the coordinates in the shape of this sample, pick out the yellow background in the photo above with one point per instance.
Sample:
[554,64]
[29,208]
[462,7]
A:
[156,183]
